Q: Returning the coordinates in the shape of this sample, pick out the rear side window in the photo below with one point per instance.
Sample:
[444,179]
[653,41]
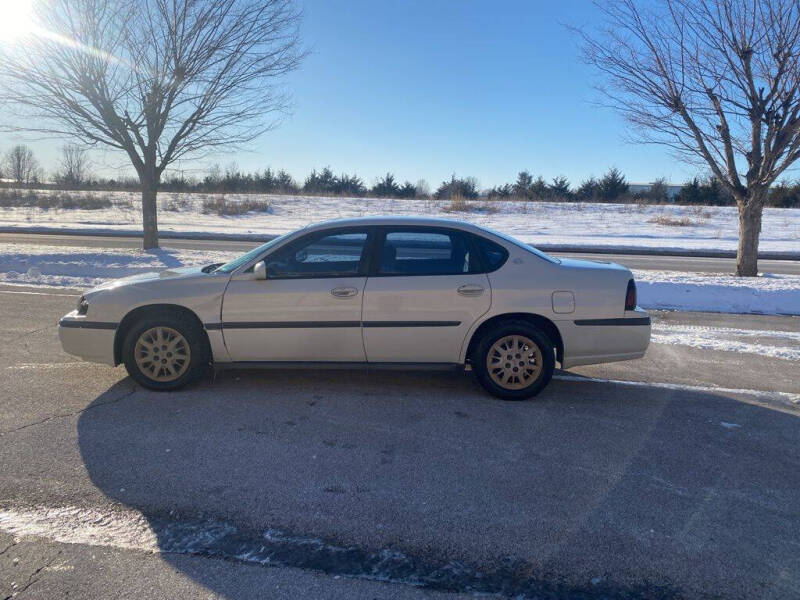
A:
[493,255]
[426,253]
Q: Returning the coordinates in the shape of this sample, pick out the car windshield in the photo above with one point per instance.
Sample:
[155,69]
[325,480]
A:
[524,246]
[245,258]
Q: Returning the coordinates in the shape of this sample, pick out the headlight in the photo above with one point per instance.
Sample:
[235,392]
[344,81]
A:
[83,306]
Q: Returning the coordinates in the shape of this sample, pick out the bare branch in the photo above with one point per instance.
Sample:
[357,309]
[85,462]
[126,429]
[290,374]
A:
[717,80]
[160,80]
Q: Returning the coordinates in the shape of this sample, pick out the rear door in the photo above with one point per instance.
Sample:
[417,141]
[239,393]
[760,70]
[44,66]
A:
[423,295]
[308,308]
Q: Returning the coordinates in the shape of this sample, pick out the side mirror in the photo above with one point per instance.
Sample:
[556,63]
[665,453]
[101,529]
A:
[260,270]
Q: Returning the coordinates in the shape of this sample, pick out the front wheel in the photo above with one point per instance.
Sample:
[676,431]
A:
[514,361]
[164,352]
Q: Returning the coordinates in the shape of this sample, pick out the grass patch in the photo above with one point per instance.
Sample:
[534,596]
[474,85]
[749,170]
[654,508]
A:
[176,203]
[13,198]
[224,207]
[672,221]
[457,204]
[460,204]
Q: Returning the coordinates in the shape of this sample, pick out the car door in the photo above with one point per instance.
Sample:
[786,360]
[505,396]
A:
[308,308]
[425,291]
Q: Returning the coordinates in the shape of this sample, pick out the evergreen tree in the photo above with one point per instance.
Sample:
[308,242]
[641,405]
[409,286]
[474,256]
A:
[612,185]
[386,187]
[559,189]
[522,187]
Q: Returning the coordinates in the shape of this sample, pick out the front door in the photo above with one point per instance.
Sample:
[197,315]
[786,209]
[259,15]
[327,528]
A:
[426,292]
[308,308]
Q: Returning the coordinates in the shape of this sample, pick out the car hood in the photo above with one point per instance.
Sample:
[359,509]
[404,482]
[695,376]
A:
[151,276]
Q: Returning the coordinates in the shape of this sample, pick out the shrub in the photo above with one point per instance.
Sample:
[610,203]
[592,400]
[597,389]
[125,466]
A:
[455,188]
[784,195]
[226,207]
[670,221]
[175,203]
[500,192]
[707,192]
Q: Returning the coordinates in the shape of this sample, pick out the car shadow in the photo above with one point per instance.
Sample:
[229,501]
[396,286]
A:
[591,490]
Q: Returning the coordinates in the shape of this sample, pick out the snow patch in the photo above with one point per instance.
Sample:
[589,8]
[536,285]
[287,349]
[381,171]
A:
[73,525]
[712,292]
[728,339]
[84,267]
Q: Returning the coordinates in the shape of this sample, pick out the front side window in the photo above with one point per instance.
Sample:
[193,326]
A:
[426,253]
[321,255]
[245,258]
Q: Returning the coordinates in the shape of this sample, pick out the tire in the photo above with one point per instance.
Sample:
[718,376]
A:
[509,342]
[182,348]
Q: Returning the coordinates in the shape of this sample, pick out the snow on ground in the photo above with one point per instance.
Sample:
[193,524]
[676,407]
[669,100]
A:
[614,226]
[83,267]
[711,292]
[775,344]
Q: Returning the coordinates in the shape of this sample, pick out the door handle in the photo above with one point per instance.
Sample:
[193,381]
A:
[470,290]
[344,292]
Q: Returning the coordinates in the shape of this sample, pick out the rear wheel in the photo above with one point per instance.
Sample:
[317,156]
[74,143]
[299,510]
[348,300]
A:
[514,361]
[165,351]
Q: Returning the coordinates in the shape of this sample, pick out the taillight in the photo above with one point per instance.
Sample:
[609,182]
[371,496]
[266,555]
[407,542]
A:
[630,296]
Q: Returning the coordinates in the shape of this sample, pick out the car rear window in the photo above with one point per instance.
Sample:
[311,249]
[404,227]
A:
[412,252]
[493,255]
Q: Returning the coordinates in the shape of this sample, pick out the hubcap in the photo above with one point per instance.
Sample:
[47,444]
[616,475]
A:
[514,362]
[162,354]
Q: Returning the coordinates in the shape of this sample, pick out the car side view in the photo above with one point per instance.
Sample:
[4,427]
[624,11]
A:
[379,292]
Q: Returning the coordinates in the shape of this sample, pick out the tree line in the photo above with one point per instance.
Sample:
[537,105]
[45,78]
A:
[20,166]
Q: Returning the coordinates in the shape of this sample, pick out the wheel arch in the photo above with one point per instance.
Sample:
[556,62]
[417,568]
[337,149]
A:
[543,324]
[137,313]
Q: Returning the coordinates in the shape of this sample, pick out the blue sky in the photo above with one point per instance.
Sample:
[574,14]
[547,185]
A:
[425,88]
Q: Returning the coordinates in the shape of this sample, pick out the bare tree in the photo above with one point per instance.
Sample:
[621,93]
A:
[159,80]
[21,165]
[718,81]
[74,165]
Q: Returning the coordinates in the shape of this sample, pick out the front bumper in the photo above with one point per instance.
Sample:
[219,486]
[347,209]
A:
[90,340]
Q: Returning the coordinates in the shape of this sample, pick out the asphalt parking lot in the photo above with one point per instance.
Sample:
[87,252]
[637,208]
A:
[675,476]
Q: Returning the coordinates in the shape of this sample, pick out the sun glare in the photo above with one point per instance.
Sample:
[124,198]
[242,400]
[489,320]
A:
[16,20]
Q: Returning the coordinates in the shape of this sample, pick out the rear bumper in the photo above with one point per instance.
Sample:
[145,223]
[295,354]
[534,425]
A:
[90,340]
[592,341]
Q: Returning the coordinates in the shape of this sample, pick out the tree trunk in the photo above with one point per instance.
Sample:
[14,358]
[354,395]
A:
[749,230]
[149,215]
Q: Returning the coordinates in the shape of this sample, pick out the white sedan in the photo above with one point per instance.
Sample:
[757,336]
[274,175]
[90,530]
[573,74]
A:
[380,292]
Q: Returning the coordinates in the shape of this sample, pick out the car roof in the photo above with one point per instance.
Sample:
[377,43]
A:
[394,221]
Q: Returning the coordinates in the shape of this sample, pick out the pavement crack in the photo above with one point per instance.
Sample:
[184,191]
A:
[25,334]
[33,577]
[69,414]
[7,548]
